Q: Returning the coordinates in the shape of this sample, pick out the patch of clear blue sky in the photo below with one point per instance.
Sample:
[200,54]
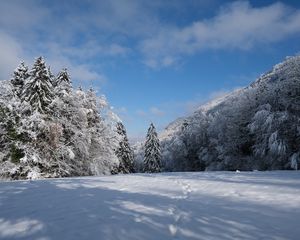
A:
[136,87]
[139,93]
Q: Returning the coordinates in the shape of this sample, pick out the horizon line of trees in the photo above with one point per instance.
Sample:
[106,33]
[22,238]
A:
[49,129]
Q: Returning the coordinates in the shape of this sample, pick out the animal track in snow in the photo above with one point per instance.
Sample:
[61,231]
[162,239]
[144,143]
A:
[177,211]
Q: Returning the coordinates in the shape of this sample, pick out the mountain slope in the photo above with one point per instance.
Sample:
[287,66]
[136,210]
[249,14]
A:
[255,127]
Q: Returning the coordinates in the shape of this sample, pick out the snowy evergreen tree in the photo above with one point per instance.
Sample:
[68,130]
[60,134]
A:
[124,152]
[152,157]
[63,84]
[51,76]
[38,90]
[19,77]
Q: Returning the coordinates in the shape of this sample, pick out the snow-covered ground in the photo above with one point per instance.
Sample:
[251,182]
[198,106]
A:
[211,205]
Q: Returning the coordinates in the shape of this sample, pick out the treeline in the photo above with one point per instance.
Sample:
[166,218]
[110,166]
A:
[49,129]
[254,128]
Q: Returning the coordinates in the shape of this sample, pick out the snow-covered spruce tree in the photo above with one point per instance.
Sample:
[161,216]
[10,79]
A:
[37,127]
[51,76]
[124,152]
[11,138]
[63,84]
[38,89]
[19,77]
[152,157]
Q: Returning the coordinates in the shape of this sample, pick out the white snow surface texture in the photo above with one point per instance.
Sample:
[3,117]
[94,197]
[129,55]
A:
[204,205]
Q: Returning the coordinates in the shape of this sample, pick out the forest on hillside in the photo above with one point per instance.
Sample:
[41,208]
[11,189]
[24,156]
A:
[253,128]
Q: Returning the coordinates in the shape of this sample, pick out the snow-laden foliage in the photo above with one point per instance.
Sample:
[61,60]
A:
[20,75]
[257,127]
[124,151]
[48,129]
[63,84]
[152,157]
[38,89]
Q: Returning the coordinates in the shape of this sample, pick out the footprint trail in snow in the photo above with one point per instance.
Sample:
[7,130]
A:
[177,211]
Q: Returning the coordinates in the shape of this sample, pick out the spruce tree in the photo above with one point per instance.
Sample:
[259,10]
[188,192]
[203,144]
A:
[63,84]
[124,152]
[63,77]
[38,90]
[19,77]
[52,77]
[152,157]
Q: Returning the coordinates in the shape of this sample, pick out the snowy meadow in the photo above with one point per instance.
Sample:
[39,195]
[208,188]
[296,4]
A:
[212,205]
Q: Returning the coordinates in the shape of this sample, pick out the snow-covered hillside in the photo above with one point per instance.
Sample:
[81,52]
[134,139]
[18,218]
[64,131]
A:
[251,128]
[207,205]
[283,68]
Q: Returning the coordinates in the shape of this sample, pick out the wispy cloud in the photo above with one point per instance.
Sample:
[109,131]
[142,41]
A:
[20,16]
[92,49]
[141,113]
[37,31]
[150,113]
[157,112]
[99,30]
[11,54]
[237,26]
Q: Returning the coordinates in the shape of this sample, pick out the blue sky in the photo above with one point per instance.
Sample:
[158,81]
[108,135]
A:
[154,60]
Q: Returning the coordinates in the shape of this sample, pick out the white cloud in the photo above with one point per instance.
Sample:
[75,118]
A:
[21,16]
[116,49]
[156,112]
[141,113]
[91,49]
[80,73]
[237,26]
[30,29]
[11,54]
[122,112]
[84,73]
[150,113]
[110,29]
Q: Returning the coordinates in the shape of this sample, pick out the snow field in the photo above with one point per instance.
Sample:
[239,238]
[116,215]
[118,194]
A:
[205,205]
